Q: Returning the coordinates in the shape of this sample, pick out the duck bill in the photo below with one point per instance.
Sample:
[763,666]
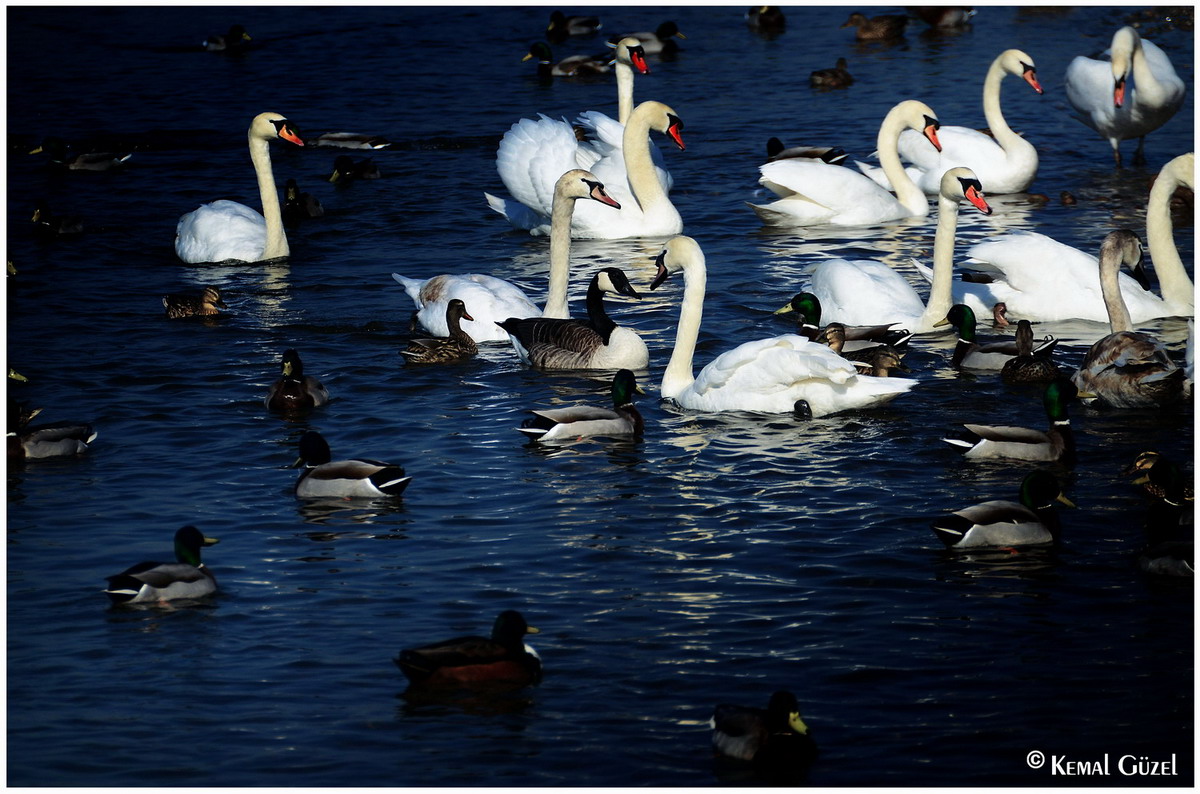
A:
[1030,76]
[797,724]
[528,55]
[1062,499]
[334,176]
[976,197]
[532,630]
[941,322]
[210,541]
[784,309]
[466,316]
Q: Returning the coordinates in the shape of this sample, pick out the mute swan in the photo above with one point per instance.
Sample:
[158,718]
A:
[225,230]
[324,476]
[493,300]
[532,151]
[812,192]
[206,303]
[877,28]
[1004,161]
[579,421]
[1097,90]
[766,375]
[1026,367]
[1177,290]
[1002,442]
[598,343]
[775,736]
[502,658]
[294,391]
[150,582]
[1002,523]
[1126,369]
[866,292]
[454,347]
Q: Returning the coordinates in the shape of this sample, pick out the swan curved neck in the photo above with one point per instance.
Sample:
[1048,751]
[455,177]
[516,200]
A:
[1110,288]
[560,257]
[991,107]
[940,289]
[907,193]
[639,167]
[678,374]
[624,91]
[1177,288]
[260,155]
[1149,89]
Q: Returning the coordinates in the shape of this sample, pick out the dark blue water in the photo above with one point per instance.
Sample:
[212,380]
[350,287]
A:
[723,557]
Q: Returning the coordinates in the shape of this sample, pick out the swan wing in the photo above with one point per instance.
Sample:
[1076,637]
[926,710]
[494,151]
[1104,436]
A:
[489,300]
[848,197]
[863,292]
[1089,84]
[220,231]
[531,158]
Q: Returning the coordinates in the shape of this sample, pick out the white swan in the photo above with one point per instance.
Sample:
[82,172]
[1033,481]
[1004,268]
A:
[1177,290]
[491,300]
[1126,369]
[1004,161]
[866,292]
[1097,90]
[531,152]
[226,230]
[815,192]
[767,375]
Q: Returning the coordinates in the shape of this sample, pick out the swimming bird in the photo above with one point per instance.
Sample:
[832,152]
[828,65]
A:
[207,303]
[494,300]
[877,28]
[235,39]
[299,206]
[561,26]
[348,140]
[943,17]
[1033,521]
[877,359]
[597,343]
[59,155]
[775,737]
[833,155]
[836,77]
[1169,496]
[818,193]
[347,168]
[853,338]
[766,375]
[356,477]
[295,392]
[970,353]
[1175,285]
[1126,369]
[1098,90]
[35,442]
[1002,442]
[579,421]
[228,231]
[155,582]
[456,346]
[767,20]
[502,658]
[660,41]
[571,66]
[51,225]
[1028,366]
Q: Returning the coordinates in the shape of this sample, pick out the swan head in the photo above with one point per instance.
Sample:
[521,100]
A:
[1125,42]
[1018,63]
[274,125]
[1124,247]
[613,281]
[661,118]
[679,252]
[917,116]
[580,184]
[961,183]
[631,53]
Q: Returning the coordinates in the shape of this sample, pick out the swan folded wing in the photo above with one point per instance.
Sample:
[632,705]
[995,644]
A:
[1007,433]
[220,231]
[876,175]
[1128,350]
[851,196]
[531,158]
[863,292]
[774,365]
[487,298]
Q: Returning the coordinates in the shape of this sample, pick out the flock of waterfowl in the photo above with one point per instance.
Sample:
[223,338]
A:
[601,178]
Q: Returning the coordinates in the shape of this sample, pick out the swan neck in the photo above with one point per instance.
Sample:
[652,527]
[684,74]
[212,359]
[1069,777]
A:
[1150,90]
[1110,288]
[560,257]
[624,92]
[940,289]
[991,106]
[260,155]
[678,374]
[643,181]
[1177,289]
[887,143]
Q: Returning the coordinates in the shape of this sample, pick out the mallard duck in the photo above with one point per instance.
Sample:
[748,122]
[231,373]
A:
[836,77]
[1001,523]
[234,39]
[775,736]
[579,421]
[1162,478]
[295,392]
[561,26]
[1026,366]
[60,156]
[808,309]
[346,169]
[877,359]
[993,442]
[299,206]
[833,155]
[455,347]
[503,658]
[187,577]
[51,225]
[56,440]
[348,140]
[571,66]
[1169,550]
[993,355]
[660,42]
[598,343]
[943,16]
[766,19]
[325,477]
[1126,369]
[877,28]
[206,303]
